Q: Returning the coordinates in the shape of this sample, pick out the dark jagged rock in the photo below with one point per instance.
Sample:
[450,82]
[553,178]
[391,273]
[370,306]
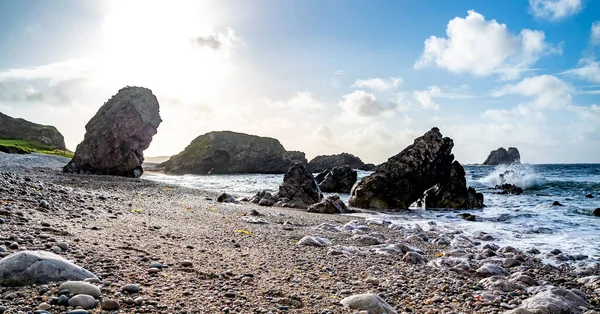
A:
[337,179]
[20,129]
[368,167]
[596,212]
[508,188]
[324,162]
[589,196]
[231,152]
[118,134]
[467,216]
[453,192]
[557,203]
[400,181]
[226,198]
[263,198]
[501,156]
[299,188]
[330,205]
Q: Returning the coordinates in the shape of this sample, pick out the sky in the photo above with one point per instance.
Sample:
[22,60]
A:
[323,77]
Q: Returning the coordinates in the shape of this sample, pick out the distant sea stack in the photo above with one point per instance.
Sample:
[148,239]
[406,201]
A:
[20,129]
[324,162]
[501,156]
[230,152]
[406,177]
[116,137]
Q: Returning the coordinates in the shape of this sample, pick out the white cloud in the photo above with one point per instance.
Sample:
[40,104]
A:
[548,91]
[361,106]
[301,102]
[424,97]
[591,113]
[554,9]
[483,47]
[379,84]
[595,34]
[589,70]
[509,115]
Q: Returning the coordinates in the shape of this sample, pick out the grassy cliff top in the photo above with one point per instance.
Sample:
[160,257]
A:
[35,147]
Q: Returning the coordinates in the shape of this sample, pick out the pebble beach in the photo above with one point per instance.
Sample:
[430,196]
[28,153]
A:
[156,248]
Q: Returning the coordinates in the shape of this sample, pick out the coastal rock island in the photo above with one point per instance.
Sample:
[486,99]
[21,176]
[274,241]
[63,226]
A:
[116,137]
[17,130]
[403,179]
[501,156]
[231,152]
[324,162]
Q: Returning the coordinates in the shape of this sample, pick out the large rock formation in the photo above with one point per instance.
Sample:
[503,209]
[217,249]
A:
[400,181]
[20,129]
[299,189]
[118,134]
[38,267]
[452,192]
[324,162]
[338,179]
[230,152]
[501,156]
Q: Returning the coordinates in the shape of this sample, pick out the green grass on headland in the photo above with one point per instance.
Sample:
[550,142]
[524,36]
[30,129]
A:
[35,147]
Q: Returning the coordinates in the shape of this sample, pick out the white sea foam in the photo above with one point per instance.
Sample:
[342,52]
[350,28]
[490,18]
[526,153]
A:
[523,176]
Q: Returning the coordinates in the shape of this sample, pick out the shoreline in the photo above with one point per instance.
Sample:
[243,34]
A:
[116,227]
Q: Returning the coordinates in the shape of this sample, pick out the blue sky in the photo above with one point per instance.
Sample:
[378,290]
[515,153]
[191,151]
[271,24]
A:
[321,76]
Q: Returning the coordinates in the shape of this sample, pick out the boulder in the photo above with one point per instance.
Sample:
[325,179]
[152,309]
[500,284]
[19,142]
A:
[338,179]
[299,188]
[596,212]
[400,181]
[453,192]
[116,137]
[38,267]
[508,188]
[21,129]
[324,162]
[330,205]
[368,302]
[231,152]
[226,198]
[553,300]
[501,156]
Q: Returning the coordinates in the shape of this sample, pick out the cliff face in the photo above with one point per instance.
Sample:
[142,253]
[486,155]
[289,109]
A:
[501,156]
[20,129]
[231,152]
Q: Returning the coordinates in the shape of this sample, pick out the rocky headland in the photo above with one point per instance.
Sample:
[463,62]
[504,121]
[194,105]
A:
[116,137]
[145,247]
[324,162]
[501,156]
[230,152]
[19,136]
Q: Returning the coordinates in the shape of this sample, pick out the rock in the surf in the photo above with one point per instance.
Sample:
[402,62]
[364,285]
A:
[338,179]
[596,212]
[508,188]
[116,137]
[299,188]
[501,156]
[453,192]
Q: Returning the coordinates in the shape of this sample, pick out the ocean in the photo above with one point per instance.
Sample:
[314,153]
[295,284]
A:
[522,221]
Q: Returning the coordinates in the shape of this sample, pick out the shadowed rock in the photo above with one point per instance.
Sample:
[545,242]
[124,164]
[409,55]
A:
[337,179]
[324,162]
[400,181]
[118,134]
[38,267]
[330,205]
[453,192]
[299,188]
[231,152]
[501,156]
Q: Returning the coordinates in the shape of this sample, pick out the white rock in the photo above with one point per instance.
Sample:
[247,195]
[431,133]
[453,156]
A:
[314,241]
[80,287]
[372,303]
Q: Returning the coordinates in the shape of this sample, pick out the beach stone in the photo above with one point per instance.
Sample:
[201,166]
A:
[263,198]
[85,301]
[414,258]
[62,300]
[44,306]
[329,205]
[403,179]
[592,282]
[553,300]
[79,311]
[488,269]
[254,220]
[109,305]
[38,267]
[63,245]
[299,188]
[452,192]
[499,283]
[364,239]
[523,279]
[158,265]
[371,303]
[226,198]
[186,263]
[116,137]
[314,241]
[81,287]
[325,227]
[131,288]
[339,179]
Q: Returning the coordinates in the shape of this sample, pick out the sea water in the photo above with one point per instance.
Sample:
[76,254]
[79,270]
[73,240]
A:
[522,221]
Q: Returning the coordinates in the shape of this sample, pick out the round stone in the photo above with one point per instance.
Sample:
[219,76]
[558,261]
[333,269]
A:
[62,245]
[131,288]
[109,305]
[44,306]
[83,300]
[186,263]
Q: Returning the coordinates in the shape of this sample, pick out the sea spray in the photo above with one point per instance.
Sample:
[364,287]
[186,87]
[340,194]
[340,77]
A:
[521,175]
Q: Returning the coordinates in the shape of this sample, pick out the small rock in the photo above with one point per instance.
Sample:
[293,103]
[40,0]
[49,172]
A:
[557,203]
[62,245]
[80,287]
[596,212]
[44,306]
[44,204]
[555,252]
[109,305]
[589,196]
[131,288]
[83,300]
[14,246]
[186,263]
[371,303]
[314,241]
[467,216]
